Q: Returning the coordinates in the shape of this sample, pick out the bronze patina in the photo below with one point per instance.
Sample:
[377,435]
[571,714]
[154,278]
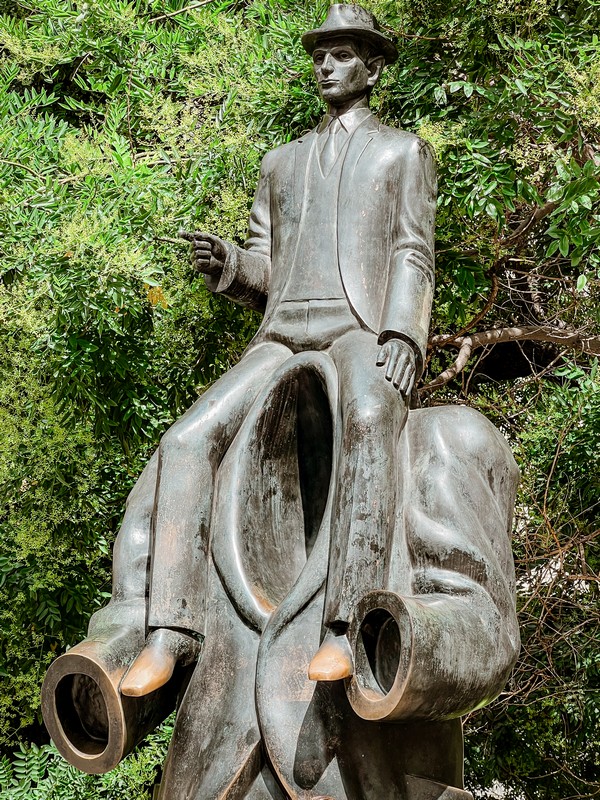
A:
[318,572]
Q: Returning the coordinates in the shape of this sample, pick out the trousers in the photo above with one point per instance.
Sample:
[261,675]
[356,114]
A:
[372,413]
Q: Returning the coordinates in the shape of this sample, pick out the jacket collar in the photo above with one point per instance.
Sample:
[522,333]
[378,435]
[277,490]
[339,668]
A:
[349,121]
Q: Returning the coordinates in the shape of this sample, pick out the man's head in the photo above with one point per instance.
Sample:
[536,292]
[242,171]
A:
[345,68]
[349,52]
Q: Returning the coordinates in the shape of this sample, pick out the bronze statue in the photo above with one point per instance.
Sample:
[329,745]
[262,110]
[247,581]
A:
[305,559]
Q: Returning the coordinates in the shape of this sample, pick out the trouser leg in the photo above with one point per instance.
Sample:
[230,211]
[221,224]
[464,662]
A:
[132,546]
[189,455]
[372,416]
[131,556]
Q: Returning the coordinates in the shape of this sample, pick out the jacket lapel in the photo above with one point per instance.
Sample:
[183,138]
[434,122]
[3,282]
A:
[354,255]
[301,154]
[357,147]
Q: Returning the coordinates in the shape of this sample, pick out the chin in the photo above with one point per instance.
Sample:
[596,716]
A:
[335,99]
[332,96]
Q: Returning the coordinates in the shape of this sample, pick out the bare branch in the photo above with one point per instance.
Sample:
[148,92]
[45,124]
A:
[22,166]
[464,354]
[538,215]
[572,339]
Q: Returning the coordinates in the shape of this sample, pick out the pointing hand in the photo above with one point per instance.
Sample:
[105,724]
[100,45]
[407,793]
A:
[208,252]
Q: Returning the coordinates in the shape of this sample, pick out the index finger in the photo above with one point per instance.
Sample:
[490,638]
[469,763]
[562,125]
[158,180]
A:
[392,365]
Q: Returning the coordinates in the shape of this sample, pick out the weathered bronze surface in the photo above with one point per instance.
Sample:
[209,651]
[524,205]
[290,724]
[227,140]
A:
[317,572]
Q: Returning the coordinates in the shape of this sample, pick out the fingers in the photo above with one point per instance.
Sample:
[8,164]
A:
[201,250]
[404,376]
[393,359]
[409,382]
[202,258]
[398,376]
[196,237]
[392,364]
[382,355]
[399,361]
[208,252]
[388,357]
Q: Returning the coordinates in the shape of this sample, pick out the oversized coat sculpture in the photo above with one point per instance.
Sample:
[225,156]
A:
[317,505]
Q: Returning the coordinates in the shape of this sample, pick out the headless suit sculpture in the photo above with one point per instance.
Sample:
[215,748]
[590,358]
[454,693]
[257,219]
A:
[305,559]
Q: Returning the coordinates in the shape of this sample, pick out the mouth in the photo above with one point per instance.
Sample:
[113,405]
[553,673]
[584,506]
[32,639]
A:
[327,83]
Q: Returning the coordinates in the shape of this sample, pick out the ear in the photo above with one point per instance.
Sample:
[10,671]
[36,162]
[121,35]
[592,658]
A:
[375,66]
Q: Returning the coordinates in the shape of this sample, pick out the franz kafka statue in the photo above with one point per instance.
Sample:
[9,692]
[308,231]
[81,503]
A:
[318,573]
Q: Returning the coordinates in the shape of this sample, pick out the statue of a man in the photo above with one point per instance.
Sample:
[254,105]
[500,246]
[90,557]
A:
[411,509]
[340,256]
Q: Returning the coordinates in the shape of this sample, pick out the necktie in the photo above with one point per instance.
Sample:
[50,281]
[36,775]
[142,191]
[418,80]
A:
[329,150]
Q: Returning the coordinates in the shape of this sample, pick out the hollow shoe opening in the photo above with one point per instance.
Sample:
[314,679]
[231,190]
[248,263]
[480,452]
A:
[83,714]
[379,644]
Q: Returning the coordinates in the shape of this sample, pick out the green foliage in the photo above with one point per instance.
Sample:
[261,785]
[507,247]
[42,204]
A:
[108,147]
[119,124]
[39,773]
[506,93]
[542,737]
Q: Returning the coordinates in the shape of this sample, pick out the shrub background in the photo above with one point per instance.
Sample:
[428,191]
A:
[122,122]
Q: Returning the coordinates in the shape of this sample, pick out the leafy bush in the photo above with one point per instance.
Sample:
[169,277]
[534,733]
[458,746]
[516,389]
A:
[121,122]
[40,773]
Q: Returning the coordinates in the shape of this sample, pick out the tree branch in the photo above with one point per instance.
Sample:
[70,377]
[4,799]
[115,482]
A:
[22,166]
[573,339]
[538,215]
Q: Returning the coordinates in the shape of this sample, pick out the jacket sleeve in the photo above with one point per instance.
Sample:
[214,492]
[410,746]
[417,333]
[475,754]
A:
[407,305]
[247,271]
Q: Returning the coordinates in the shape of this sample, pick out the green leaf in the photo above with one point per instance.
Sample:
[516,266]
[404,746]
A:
[116,82]
[439,94]
[520,86]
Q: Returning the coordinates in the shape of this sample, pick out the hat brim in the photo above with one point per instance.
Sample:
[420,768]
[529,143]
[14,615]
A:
[381,43]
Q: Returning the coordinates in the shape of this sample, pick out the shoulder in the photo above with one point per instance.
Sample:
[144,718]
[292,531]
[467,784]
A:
[281,155]
[404,143]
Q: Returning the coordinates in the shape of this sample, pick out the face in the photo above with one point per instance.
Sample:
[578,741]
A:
[342,74]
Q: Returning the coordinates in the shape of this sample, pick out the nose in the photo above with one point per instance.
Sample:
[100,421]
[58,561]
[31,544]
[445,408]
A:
[327,65]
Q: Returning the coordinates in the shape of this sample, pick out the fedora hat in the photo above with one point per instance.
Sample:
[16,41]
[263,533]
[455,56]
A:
[351,20]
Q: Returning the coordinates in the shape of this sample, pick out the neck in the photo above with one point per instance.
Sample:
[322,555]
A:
[337,110]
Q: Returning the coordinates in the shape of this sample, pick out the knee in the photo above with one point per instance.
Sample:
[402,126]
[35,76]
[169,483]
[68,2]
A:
[467,430]
[368,416]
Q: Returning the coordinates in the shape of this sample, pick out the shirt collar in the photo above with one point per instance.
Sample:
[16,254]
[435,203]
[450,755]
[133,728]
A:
[349,121]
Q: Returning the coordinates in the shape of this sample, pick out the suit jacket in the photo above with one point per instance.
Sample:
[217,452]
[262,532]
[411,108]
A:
[386,246]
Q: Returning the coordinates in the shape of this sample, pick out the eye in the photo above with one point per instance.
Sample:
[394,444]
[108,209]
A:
[344,55]
[318,59]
